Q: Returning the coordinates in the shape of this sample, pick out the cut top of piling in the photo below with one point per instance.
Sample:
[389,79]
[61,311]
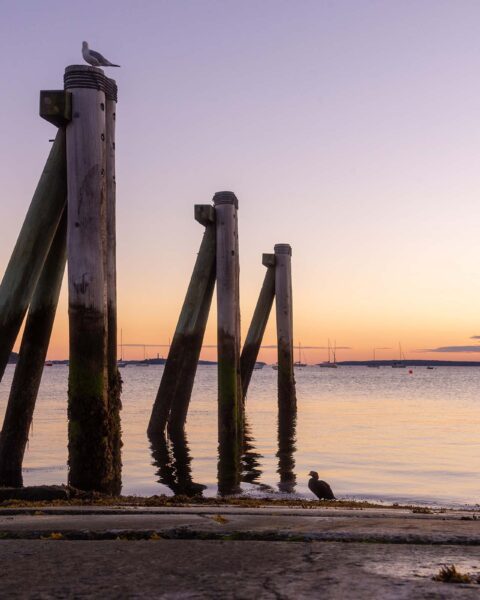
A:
[93,78]
[83,76]
[283,249]
[225,198]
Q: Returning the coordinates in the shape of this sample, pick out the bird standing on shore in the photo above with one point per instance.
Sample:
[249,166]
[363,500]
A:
[320,488]
[95,58]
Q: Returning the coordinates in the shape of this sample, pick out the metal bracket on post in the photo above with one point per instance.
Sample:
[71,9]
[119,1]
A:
[56,107]
[204,214]
[268,260]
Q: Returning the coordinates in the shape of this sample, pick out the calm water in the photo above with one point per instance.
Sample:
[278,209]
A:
[379,434]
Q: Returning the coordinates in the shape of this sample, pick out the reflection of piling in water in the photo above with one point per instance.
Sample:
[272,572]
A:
[230,409]
[251,471]
[257,327]
[33,243]
[92,464]
[31,360]
[172,458]
[287,422]
[283,299]
[175,389]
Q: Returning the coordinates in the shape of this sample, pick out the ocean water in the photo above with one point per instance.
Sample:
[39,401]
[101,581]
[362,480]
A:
[379,434]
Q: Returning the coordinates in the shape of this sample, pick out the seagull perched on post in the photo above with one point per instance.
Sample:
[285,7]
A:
[95,58]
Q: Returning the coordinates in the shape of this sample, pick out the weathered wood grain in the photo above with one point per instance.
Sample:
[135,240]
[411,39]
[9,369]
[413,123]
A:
[254,338]
[110,257]
[230,405]
[31,360]
[173,397]
[31,249]
[284,311]
[90,458]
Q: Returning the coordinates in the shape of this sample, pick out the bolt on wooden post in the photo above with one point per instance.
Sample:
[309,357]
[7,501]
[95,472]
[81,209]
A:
[110,258]
[230,409]
[33,243]
[259,322]
[90,457]
[283,299]
[173,397]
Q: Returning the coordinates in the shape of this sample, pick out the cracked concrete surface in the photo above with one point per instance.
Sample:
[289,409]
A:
[220,569]
[409,550]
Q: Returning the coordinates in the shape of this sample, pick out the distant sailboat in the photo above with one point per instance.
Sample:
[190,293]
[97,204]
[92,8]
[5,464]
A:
[400,363]
[299,362]
[373,364]
[120,362]
[329,364]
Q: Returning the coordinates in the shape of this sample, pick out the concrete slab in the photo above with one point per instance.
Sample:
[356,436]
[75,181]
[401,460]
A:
[218,522]
[231,552]
[229,570]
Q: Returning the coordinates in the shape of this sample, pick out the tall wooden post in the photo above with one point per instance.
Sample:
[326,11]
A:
[29,369]
[175,389]
[255,333]
[110,257]
[90,458]
[230,409]
[283,300]
[31,249]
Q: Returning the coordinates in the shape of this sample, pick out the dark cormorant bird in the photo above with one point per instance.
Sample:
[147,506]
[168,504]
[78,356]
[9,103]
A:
[320,488]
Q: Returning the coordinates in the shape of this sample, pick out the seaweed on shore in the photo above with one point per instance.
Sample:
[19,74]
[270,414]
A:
[449,574]
[100,500]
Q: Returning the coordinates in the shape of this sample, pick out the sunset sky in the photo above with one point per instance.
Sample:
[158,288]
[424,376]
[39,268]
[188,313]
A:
[349,129]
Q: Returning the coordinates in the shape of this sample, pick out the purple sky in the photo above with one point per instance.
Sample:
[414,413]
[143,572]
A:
[350,129]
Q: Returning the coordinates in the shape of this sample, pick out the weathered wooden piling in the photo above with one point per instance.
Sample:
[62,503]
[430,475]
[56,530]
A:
[111,243]
[31,249]
[175,389]
[230,404]
[90,456]
[257,327]
[31,360]
[283,301]
[110,257]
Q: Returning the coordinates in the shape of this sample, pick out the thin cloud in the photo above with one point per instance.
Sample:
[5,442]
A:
[444,349]
[475,337]
[271,346]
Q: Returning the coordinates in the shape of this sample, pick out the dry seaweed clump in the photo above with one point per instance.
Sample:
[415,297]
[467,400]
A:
[421,510]
[449,574]
[78,498]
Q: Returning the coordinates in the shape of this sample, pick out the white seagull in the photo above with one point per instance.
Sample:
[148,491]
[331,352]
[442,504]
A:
[95,58]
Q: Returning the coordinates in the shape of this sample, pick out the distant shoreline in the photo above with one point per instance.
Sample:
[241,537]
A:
[410,363]
[344,363]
